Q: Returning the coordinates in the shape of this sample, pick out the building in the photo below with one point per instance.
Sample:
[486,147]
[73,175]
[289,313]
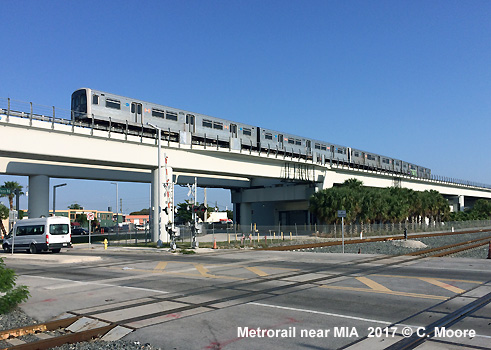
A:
[137,219]
[105,218]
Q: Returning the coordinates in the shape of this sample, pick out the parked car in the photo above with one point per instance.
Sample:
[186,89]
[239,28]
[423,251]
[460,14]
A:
[76,231]
[36,235]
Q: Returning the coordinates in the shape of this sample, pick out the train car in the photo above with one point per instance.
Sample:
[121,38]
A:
[122,114]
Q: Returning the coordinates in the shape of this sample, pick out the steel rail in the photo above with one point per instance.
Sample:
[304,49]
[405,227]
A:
[41,327]
[462,249]
[367,240]
[447,321]
[64,339]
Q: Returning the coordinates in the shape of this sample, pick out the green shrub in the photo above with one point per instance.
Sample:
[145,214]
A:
[10,295]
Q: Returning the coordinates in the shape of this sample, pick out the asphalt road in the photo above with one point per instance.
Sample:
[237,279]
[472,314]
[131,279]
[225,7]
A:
[260,299]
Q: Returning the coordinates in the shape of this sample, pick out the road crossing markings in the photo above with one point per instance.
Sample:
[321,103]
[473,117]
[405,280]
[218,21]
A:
[203,271]
[438,283]
[256,271]
[404,294]
[440,279]
[373,285]
[161,266]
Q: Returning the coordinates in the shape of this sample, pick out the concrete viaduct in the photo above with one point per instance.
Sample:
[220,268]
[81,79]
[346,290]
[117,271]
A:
[266,189]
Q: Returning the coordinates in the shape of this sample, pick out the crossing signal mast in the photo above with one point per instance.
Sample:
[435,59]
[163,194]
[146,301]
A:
[195,229]
[173,231]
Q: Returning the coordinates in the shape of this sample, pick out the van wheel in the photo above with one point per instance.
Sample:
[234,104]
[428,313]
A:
[57,250]
[33,249]
[6,248]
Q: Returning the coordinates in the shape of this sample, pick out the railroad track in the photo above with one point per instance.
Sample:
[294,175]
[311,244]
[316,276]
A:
[56,333]
[368,240]
[447,249]
[250,291]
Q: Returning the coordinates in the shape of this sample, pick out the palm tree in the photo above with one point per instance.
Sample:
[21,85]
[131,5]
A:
[12,186]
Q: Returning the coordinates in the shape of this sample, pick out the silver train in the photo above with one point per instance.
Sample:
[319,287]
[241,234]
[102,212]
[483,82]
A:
[118,113]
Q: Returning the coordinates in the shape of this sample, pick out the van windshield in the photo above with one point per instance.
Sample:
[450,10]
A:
[59,229]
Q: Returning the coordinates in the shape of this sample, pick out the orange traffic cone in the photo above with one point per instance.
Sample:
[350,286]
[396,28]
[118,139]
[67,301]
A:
[215,243]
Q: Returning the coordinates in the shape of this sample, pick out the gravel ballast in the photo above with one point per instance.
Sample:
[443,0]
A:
[398,247]
[17,318]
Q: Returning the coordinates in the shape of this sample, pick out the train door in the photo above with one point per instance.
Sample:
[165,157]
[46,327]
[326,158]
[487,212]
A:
[308,145]
[280,141]
[233,130]
[349,155]
[190,123]
[136,112]
[258,139]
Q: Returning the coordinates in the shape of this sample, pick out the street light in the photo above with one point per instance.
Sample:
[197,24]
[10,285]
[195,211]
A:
[54,197]
[159,131]
[117,196]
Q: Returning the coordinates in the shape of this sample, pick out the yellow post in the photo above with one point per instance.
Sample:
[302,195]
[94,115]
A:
[291,236]
[235,237]
[229,238]
[105,243]
[282,238]
[274,235]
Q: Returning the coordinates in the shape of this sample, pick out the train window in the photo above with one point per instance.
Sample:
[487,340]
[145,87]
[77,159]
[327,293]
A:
[291,141]
[247,131]
[298,142]
[398,164]
[317,146]
[218,125]
[356,154]
[114,104]
[268,136]
[340,150]
[207,123]
[95,99]
[171,116]
[157,113]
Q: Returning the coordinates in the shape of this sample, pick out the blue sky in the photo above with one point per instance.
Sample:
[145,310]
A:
[407,79]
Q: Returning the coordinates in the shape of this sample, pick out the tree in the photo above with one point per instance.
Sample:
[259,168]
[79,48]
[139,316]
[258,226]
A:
[4,214]
[12,295]
[481,210]
[141,212]
[12,186]
[383,205]
[75,206]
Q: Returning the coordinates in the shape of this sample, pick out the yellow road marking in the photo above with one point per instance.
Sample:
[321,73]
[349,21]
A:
[256,271]
[442,284]
[203,270]
[440,279]
[404,294]
[161,265]
[372,284]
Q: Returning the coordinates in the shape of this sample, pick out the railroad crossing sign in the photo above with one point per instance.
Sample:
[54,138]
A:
[90,216]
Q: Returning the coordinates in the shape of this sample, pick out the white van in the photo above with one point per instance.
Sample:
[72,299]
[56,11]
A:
[35,235]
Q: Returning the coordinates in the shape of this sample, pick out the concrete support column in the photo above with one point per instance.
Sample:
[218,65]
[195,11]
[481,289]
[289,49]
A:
[245,214]
[38,200]
[461,203]
[155,206]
